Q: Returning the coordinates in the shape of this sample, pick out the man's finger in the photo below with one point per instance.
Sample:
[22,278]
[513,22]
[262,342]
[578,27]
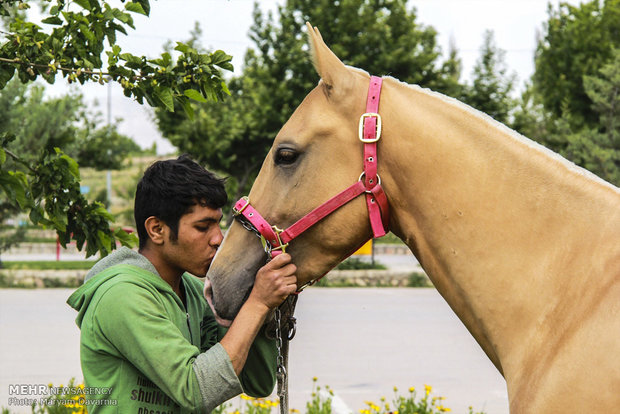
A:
[288,270]
[280,260]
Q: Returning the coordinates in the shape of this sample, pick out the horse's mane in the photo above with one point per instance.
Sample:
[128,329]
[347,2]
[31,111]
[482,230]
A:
[510,133]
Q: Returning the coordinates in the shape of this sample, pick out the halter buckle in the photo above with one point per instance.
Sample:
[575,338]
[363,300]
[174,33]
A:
[282,246]
[377,131]
[247,203]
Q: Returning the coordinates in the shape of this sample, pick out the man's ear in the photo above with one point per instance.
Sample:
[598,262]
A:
[156,230]
[336,77]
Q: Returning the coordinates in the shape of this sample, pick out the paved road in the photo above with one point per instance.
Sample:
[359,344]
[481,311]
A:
[361,342]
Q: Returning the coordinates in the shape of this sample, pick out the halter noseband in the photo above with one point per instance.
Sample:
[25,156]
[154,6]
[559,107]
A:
[275,240]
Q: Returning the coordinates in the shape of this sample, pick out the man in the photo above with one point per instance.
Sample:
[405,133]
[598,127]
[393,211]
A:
[149,342]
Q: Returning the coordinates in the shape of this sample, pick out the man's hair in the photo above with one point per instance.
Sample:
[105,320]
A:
[170,188]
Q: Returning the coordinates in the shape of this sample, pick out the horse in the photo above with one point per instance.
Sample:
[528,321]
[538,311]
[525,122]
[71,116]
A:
[522,244]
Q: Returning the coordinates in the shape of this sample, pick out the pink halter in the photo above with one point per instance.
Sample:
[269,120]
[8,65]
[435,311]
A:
[276,240]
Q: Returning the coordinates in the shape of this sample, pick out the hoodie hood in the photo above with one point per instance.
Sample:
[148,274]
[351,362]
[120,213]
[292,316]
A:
[124,255]
[118,263]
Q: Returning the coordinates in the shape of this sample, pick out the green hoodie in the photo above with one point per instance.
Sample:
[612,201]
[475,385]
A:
[144,352]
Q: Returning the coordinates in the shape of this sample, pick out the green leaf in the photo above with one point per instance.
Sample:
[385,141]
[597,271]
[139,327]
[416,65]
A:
[36,215]
[105,241]
[187,107]
[87,33]
[145,5]
[2,156]
[52,20]
[182,47]
[136,8]
[74,169]
[85,4]
[166,97]
[101,211]
[219,56]
[6,73]
[195,95]
[126,239]
[225,88]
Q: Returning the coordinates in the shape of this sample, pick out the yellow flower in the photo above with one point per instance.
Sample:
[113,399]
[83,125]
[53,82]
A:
[246,397]
[411,389]
[315,379]
[395,389]
[428,389]
[294,410]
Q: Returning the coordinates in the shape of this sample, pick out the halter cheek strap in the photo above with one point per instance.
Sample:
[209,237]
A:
[375,199]
[276,240]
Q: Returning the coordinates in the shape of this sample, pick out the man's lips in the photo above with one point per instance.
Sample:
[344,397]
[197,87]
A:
[208,293]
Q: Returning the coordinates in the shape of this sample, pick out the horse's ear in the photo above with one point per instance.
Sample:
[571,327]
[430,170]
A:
[332,71]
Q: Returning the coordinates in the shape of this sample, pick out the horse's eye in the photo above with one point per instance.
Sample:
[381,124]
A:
[286,156]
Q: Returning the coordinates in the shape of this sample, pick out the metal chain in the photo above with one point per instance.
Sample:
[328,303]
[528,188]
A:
[281,366]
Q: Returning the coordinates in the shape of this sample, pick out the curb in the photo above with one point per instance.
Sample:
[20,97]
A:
[50,248]
[29,278]
[378,278]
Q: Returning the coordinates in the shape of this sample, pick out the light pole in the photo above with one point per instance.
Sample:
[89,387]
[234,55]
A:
[109,173]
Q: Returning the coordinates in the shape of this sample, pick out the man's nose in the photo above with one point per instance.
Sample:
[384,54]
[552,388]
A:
[216,241]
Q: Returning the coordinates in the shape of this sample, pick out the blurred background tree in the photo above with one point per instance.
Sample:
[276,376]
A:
[385,38]
[572,95]
[492,87]
[37,136]
[569,104]
[382,37]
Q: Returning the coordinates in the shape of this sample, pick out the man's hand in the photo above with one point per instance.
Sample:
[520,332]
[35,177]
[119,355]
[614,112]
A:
[275,281]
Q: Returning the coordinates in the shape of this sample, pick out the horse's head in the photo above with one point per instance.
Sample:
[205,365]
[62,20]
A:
[316,155]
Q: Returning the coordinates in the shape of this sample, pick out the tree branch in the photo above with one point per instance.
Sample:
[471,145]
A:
[19,160]
[68,70]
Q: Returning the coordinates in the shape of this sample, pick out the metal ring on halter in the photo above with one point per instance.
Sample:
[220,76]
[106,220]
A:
[378,181]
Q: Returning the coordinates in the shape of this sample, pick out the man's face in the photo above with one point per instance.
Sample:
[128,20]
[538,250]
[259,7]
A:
[198,239]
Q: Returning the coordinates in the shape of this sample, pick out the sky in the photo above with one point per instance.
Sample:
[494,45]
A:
[225,24]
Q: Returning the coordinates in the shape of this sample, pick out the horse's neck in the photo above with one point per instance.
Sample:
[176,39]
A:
[497,222]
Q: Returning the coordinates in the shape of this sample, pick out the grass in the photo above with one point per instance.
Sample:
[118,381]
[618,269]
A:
[354,263]
[418,280]
[9,281]
[49,265]
[389,238]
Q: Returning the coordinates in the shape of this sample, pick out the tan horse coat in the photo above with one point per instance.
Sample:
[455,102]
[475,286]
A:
[522,244]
